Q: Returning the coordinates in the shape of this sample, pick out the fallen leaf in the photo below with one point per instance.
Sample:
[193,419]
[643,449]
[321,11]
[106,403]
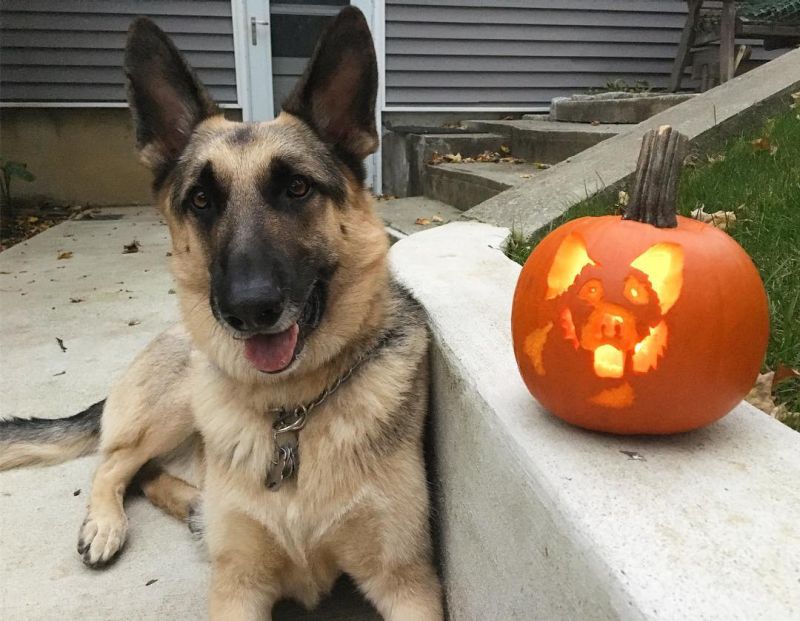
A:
[60,373]
[623,198]
[134,322]
[75,300]
[634,455]
[151,581]
[169,254]
[65,255]
[61,344]
[505,149]
[525,176]
[761,144]
[541,166]
[33,219]
[722,220]
[595,123]
[761,397]
[171,292]
[422,221]
[77,492]
[712,159]
[782,373]
[437,219]
[131,248]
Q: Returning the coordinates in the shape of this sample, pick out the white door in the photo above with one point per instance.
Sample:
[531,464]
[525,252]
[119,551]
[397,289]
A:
[253,41]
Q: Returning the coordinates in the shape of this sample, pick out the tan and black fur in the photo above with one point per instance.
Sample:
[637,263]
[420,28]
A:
[243,227]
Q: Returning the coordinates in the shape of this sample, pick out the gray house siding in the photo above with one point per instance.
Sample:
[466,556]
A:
[516,53]
[71,50]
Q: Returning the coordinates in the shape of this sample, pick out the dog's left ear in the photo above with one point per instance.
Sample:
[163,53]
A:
[336,94]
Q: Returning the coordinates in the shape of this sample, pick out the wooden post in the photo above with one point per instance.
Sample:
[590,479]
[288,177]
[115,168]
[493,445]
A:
[727,39]
[687,40]
[655,186]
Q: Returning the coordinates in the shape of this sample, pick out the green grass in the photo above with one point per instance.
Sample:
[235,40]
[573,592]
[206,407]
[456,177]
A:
[763,190]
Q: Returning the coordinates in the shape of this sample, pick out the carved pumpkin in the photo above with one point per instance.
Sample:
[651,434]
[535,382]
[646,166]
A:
[630,328]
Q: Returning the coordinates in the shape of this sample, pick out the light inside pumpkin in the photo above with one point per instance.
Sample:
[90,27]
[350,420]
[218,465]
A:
[609,361]
[663,266]
[619,397]
[569,261]
[647,351]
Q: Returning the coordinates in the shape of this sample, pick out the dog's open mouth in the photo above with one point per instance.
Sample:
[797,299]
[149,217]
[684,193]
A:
[272,353]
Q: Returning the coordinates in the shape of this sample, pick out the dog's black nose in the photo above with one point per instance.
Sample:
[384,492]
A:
[251,308]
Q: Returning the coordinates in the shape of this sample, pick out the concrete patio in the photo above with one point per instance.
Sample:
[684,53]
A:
[104,306]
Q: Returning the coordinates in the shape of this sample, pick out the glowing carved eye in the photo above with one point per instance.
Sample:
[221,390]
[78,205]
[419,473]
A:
[298,187]
[635,291]
[592,291]
[199,199]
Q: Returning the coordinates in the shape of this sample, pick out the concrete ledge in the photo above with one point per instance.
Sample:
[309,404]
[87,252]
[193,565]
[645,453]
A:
[540,520]
[708,119]
[613,107]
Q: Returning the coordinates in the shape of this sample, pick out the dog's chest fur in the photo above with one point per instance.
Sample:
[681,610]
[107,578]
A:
[349,444]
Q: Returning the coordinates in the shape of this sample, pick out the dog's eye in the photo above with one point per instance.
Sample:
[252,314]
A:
[298,187]
[636,292]
[592,291]
[199,199]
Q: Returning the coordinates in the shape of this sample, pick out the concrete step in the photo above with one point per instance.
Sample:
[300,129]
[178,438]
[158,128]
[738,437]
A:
[539,140]
[614,107]
[406,151]
[400,215]
[465,185]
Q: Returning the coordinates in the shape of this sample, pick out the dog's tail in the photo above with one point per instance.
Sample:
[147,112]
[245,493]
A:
[42,441]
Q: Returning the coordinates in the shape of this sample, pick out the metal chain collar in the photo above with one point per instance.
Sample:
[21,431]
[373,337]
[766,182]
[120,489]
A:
[289,423]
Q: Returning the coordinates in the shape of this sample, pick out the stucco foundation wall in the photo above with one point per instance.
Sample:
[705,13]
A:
[80,156]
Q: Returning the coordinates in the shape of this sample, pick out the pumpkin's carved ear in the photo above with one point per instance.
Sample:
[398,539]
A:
[663,266]
[571,257]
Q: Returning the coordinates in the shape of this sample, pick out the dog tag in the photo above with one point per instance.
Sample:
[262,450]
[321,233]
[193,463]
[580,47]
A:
[285,459]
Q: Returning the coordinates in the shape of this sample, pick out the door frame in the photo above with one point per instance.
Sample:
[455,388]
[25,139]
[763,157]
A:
[374,11]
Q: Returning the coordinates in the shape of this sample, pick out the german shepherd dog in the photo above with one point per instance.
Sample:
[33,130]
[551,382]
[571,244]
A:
[299,366]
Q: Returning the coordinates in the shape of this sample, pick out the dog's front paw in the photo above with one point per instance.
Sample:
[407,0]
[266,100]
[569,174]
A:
[101,538]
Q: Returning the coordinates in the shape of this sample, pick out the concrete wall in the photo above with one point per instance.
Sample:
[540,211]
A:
[81,156]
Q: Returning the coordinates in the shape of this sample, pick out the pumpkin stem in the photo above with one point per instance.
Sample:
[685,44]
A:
[654,195]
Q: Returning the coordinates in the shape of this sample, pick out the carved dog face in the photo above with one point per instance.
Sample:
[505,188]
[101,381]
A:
[619,318]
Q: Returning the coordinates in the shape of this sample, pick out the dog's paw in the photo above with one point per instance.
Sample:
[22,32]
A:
[101,538]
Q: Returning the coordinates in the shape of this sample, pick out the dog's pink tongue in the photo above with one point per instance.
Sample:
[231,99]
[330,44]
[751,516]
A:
[271,353]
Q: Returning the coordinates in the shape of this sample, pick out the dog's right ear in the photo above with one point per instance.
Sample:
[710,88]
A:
[166,98]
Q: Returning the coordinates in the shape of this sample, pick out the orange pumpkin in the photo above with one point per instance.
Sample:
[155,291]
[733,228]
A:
[624,327]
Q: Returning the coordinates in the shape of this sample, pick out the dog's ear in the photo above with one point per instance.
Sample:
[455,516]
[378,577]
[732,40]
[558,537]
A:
[336,94]
[166,98]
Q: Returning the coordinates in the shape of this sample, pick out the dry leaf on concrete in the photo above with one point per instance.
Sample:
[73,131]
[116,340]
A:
[65,255]
[422,221]
[437,219]
[131,248]
[721,219]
